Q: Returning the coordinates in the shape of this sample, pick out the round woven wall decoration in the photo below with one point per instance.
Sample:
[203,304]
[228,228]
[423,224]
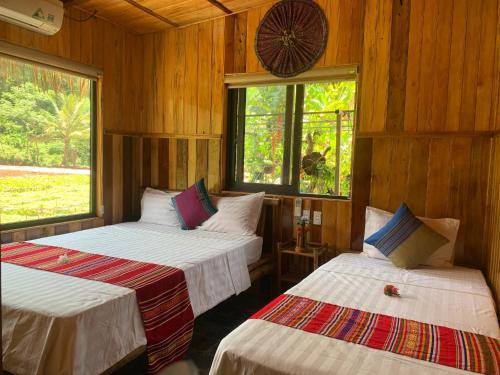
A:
[291,37]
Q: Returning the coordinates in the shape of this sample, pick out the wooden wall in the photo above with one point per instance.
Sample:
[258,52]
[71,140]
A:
[429,106]
[166,163]
[429,110]
[181,133]
[101,44]
[432,73]
[176,163]
[26,234]
[437,176]
[345,38]
[492,238]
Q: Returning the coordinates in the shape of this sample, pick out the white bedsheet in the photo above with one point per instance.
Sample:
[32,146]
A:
[56,324]
[455,297]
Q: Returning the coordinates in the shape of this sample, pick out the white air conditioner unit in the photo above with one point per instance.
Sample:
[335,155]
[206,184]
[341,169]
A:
[43,16]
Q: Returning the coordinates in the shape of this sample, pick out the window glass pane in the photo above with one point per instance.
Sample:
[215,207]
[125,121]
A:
[328,115]
[264,128]
[45,143]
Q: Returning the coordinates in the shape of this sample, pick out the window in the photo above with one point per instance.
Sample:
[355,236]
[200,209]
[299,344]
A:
[292,139]
[47,145]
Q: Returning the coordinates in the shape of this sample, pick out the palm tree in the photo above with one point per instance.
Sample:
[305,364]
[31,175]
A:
[69,119]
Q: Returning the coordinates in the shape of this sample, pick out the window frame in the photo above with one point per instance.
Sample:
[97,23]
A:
[235,140]
[93,150]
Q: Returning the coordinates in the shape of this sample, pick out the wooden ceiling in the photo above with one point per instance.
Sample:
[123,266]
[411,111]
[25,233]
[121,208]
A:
[147,16]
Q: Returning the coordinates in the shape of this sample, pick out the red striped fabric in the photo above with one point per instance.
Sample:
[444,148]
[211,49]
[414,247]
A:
[161,292]
[445,346]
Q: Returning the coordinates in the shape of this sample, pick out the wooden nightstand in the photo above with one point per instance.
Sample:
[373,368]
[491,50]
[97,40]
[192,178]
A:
[315,251]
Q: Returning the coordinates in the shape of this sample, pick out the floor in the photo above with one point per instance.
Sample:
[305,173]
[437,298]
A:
[211,327]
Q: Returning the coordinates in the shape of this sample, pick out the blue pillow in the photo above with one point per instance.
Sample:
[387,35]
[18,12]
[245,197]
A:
[406,240]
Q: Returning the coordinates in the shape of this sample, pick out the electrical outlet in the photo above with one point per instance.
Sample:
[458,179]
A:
[317,218]
[298,207]
[306,214]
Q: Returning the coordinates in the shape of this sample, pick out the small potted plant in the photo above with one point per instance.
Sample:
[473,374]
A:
[302,231]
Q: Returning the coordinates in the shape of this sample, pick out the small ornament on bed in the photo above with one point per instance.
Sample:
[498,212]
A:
[391,291]
[302,232]
[63,259]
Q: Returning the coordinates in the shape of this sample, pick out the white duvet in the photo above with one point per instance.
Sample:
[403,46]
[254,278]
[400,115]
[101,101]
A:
[55,324]
[455,297]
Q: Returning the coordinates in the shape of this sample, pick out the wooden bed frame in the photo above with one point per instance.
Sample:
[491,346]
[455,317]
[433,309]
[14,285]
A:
[269,228]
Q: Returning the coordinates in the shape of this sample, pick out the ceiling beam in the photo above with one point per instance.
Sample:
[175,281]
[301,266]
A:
[152,13]
[220,6]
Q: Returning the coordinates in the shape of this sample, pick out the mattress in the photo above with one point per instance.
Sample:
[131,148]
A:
[456,297]
[56,324]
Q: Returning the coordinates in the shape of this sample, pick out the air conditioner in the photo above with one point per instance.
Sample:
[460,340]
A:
[43,16]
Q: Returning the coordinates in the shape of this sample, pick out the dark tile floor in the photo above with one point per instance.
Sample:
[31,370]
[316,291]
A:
[211,327]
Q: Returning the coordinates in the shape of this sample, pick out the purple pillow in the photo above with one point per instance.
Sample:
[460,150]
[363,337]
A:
[193,206]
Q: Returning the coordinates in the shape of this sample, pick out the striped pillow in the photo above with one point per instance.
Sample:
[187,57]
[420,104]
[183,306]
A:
[406,240]
[193,206]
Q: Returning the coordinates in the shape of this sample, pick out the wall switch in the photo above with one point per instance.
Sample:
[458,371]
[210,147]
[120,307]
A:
[306,214]
[317,218]
[298,207]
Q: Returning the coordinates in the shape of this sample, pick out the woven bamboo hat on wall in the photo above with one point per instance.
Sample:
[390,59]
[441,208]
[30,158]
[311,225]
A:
[291,37]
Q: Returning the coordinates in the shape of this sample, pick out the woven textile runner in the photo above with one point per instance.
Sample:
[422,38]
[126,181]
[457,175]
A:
[441,345]
[161,292]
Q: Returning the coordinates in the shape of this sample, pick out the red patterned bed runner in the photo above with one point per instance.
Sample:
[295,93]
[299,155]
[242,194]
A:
[441,345]
[161,292]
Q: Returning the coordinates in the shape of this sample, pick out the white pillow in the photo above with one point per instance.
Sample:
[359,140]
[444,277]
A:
[157,208]
[236,215]
[443,257]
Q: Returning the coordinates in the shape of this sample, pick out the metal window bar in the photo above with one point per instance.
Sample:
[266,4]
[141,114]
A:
[341,122]
[336,124]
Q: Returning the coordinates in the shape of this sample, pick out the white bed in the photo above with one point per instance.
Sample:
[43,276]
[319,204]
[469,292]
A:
[456,297]
[56,324]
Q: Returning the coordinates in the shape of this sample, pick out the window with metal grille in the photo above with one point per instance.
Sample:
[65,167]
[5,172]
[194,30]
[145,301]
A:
[293,139]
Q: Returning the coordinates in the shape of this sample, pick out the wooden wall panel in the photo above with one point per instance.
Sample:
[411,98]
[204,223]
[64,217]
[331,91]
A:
[184,98]
[398,65]
[26,234]
[157,162]
[127,175]
[344,44]
[450,182]
[375,67]
[183,81]
[491,261]
[417,76]
[426,66]
[163,162]
[336,221]
[362,165]
[433,62]
[107,182]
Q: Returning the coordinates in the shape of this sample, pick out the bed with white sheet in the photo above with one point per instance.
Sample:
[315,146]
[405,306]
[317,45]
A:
[57,324]
[455,297]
